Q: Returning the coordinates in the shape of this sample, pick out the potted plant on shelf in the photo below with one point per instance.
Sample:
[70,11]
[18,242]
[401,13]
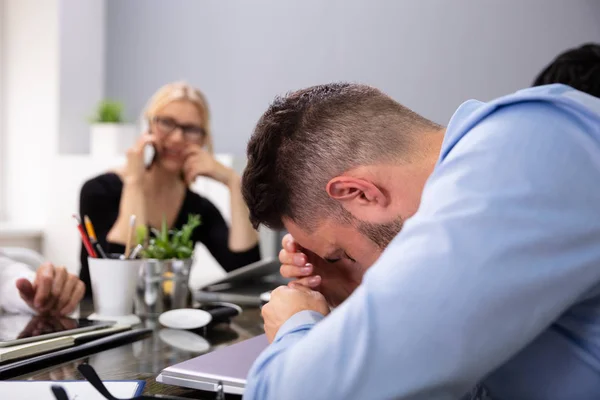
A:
[168,254]
[110,134]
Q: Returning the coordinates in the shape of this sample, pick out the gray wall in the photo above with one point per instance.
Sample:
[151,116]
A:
[429,54]
[81,70]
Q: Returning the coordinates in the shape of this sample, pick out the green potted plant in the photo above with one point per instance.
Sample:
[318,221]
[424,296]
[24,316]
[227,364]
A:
[168,257]
[110,134]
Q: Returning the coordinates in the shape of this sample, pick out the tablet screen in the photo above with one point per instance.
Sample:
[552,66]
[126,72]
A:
[15,327]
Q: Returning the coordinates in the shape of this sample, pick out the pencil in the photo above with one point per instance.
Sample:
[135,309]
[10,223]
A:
[89,227]
[129,235]
[84,237]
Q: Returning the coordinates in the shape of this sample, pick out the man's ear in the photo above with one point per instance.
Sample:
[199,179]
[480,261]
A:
[358,196]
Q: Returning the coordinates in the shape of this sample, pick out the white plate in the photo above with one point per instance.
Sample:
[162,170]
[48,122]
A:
[184,340]
[185,318]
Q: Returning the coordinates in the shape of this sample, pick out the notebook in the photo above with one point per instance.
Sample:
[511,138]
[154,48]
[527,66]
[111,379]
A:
[223,369]
[45,346]
[41,390]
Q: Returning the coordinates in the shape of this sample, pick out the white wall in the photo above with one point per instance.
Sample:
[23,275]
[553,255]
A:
[31,98]
[82,61]
[2,125]
[429,54]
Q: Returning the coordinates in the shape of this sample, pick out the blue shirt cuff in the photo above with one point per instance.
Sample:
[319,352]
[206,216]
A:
[302,320]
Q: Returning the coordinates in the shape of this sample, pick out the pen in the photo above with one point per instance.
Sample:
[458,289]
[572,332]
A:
[129,234]
[84,237]
[92,235]
[136,251]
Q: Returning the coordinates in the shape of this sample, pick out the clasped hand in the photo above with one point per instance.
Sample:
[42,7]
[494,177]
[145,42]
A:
[317,285]
[288,300]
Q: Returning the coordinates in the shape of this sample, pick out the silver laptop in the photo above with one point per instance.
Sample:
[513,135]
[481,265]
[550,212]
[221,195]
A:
[243,286]
[227,366]
[256,270]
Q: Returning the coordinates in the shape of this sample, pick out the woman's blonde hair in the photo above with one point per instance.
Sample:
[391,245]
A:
[178,91]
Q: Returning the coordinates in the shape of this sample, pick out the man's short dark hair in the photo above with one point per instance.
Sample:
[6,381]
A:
[578,68]
[307,137]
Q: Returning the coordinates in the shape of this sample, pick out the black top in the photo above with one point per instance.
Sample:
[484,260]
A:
[100,199]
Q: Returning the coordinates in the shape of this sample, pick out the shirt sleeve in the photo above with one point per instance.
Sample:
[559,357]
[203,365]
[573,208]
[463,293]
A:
[10,272]
[215,236]
[505,240]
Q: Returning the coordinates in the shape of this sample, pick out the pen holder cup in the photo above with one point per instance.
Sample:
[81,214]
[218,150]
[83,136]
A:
[162,285]
[113,284]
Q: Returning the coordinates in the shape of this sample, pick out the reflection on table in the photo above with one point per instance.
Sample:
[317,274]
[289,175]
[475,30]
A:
[145,358]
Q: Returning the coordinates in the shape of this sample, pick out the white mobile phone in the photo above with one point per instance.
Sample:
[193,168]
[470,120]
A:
[150,155]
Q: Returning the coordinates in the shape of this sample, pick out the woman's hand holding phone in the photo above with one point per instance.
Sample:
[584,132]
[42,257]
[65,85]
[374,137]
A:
[135,168]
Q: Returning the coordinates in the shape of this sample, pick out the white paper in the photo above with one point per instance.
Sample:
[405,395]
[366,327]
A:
[76,390]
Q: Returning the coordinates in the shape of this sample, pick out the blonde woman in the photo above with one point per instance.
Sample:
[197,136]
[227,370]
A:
[178,120]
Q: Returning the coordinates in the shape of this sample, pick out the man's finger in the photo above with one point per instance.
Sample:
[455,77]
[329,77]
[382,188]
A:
[26,290]
[60,277]
[75,299]
[304,284]
[67,292]
[289,244]
[43,284]
[293,271]
[278,291]
[299,259]
[312,282]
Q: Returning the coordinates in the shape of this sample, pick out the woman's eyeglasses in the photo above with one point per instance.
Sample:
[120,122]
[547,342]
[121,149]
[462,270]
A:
[191,133]
[92,377]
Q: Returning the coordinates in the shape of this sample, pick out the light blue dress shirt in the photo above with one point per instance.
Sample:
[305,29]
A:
[494,281]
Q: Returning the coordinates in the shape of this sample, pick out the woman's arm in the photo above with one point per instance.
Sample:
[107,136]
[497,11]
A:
[242,235]
[199,162]
[132,197]
[132,203]
[215,234]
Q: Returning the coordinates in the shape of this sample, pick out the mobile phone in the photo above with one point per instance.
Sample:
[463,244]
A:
[150,155]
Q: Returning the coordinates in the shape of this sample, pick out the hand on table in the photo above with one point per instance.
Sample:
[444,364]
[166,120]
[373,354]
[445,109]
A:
[53,292]
[288,300]
[335,282]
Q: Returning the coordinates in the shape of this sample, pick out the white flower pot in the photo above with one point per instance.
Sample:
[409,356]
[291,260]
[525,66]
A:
[109,140]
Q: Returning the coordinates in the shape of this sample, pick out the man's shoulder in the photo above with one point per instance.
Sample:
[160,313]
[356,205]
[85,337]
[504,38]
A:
[533,109]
